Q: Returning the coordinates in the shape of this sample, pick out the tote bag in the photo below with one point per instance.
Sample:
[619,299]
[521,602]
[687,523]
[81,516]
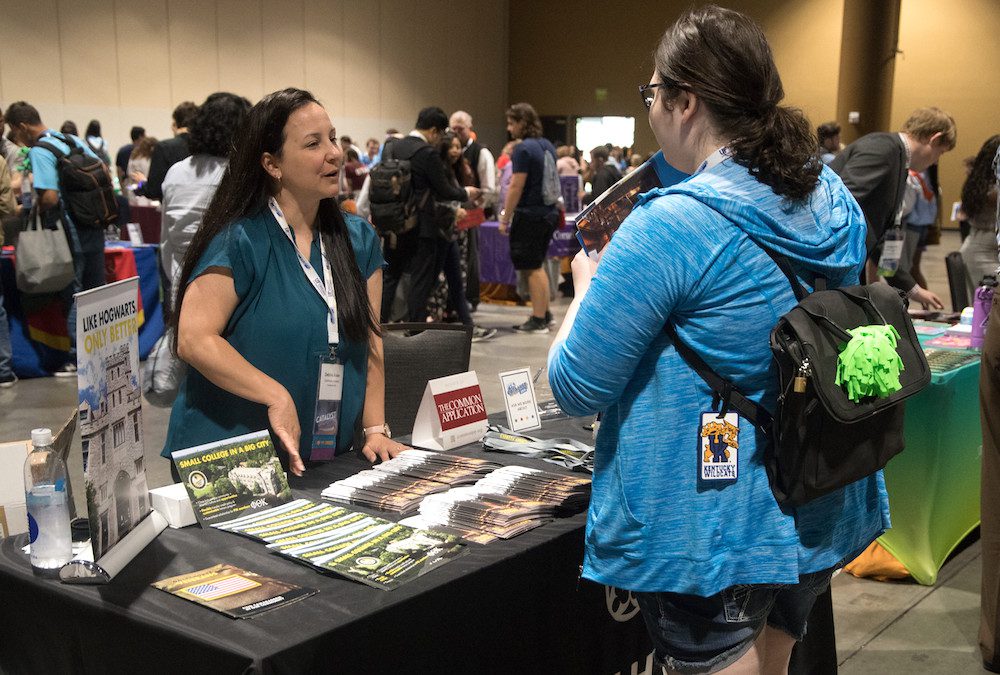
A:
[44,261]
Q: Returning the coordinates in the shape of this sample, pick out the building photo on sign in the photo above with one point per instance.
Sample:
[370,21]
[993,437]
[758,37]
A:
[110,411]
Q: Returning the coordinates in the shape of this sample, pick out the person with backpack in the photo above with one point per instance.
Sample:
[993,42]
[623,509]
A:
[724,576]
[97,143]
[71,183]
[530,212]
[401,193]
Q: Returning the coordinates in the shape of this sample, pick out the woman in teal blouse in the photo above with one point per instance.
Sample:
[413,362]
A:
[255,299]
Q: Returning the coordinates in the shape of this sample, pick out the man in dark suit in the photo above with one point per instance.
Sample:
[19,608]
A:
[874,168]
[416,251]
[169,152]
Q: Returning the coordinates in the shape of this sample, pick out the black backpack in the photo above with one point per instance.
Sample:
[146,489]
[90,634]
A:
[391,196]
[84,185]
[818,440]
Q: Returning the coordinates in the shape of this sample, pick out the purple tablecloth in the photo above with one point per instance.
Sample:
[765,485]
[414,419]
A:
[494,250]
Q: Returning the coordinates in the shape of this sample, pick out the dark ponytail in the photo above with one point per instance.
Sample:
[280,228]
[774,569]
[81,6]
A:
[723,57]
[979,193]
[244,190]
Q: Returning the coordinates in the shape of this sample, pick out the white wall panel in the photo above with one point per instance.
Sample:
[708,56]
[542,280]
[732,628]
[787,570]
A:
[374,64]
[241,59]
[194,51]
[283,44]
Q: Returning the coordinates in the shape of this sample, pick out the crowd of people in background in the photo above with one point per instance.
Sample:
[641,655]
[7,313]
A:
[433,268]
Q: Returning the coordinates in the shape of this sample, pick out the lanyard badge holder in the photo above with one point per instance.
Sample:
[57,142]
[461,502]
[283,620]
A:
[330,384]
[892,250]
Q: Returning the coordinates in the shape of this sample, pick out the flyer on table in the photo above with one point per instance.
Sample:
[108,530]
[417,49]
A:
[110,410]
[233,477]
[232,591]
[355,545]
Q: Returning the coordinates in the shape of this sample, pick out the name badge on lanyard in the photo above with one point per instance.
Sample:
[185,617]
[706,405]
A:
[719,446]
[330,383]
[892,252]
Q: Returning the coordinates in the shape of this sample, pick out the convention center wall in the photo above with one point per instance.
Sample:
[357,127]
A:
[374,64]
[883,59]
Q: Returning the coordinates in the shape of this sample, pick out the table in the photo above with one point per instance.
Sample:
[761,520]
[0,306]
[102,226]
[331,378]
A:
[934,484]
[494,250]
[149,219]
[38,327]
[512,606]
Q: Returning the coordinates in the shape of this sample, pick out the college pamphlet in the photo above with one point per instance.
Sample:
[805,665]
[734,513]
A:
[399,484]
[233,477]
[355,545]
[232,591]
[599,220]
[505,503]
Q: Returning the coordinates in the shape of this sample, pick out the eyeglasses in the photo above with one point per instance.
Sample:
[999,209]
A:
[648,94]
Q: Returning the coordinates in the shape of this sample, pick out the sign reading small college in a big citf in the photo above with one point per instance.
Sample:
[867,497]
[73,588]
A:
[519,400]
[452,413]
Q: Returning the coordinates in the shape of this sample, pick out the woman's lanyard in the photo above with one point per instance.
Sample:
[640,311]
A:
[322,286]
[715,158]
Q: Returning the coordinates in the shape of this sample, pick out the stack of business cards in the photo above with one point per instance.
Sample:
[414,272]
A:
[472,512]
[383,491]
[400,483]
[565,493]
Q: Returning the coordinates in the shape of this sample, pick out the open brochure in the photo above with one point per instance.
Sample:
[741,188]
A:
[232,591]
[355,545]
[599,220]
[232,477]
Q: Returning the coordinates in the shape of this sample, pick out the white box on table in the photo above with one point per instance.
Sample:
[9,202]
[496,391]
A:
[172,502]
[13,513]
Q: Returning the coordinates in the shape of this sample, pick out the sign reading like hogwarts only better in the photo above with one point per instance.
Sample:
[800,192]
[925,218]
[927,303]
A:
[452,413]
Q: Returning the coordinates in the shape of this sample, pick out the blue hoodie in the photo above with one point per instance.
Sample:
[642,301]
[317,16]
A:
[685,255]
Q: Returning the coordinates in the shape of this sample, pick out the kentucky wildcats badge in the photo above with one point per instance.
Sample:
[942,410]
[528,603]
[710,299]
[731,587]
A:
[718,446]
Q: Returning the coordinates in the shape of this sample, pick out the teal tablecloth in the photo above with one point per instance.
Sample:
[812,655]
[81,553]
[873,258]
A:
[934,484]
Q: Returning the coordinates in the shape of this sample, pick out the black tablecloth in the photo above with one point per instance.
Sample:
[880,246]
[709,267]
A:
[510,606]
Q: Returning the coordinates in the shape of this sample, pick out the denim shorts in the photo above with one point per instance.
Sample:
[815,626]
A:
[695,634]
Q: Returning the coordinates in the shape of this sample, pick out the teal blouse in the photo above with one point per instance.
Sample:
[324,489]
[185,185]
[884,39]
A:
[279,326]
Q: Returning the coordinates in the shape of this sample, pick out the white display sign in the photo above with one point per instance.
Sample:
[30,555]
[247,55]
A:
[110,411]
[519,400]
[134,234]
[452,413]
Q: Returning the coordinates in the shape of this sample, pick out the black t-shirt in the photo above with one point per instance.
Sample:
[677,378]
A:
[529,158]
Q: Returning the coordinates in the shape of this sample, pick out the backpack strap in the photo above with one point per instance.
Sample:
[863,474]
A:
[724,392]
[59,154]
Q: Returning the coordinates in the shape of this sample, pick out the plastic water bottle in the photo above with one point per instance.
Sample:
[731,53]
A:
[981,310]
[46,496]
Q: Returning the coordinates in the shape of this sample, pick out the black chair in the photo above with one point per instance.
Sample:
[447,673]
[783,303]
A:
[414,354]
[957,281]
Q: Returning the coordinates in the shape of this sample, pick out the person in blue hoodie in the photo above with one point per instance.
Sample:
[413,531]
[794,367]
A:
[725,578]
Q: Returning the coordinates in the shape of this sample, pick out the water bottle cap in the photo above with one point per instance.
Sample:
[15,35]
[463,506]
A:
[41,437]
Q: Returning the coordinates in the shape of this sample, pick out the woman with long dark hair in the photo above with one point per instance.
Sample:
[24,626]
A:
[97,142]
[724,576]
[979,202]
[191,183]
[449,294]
[277,291]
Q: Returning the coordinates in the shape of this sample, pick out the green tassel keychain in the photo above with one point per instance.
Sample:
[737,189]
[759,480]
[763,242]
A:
[868,364]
